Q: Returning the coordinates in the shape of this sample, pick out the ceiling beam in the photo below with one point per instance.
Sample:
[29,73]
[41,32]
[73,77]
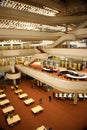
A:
[12,14]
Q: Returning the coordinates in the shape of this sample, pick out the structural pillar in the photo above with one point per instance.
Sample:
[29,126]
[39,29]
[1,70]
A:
[14,81]
[75,98]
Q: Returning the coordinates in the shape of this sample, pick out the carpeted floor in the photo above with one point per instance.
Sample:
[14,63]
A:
[57,114]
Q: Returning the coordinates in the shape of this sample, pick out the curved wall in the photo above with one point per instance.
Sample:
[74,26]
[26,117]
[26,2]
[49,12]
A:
[62,85]
[13,76]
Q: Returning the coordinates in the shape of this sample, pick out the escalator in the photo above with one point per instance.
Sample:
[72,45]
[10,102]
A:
[34,57]
[40,49]
[71,36]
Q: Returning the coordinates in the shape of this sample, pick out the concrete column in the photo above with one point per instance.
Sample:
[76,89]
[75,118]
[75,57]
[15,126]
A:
[22,46]
[11,46]
[14,81]
[70,63]
[75,98]
[12,65]
[68,44]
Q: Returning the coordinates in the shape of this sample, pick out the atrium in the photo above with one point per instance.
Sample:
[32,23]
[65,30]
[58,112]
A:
[46,41]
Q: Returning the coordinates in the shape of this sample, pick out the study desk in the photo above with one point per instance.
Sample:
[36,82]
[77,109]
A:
[23,95]
[41,128]
[8,109]
[2,96]
[14,87]
[4,102]
[18,91]
[14,119]
[1,91]
[29,101]
[37,109]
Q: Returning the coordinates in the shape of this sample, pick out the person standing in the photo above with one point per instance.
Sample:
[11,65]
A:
[50,98]
[40,101]
[53,94]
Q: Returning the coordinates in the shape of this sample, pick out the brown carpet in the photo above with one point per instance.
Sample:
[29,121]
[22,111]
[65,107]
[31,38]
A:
[58,114]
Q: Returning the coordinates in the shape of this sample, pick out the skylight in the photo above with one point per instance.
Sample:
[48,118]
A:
[20,6]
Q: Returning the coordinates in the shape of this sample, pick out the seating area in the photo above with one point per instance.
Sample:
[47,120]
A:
[26,110]
[26,99]
[81,96]
[8,110]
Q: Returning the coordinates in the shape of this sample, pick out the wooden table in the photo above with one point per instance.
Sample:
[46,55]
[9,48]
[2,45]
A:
[37,109]
[4,102]
[14,119]
[2,96]
[18,91]
[8,109]
[1,91]
[14,87]
[41,128]
[23,95]
[29,101]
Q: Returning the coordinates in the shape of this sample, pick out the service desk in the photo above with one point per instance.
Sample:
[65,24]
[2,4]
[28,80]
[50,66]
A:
[49,70]
[80,77]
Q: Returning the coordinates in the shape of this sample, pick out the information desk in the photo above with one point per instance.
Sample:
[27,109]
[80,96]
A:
[29,101]
[41,128]
[76,77]
[8,109]
[4,102]
[49,70]
[67,72]
[23,95]
[2,96]
[14,119]
[37,109]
